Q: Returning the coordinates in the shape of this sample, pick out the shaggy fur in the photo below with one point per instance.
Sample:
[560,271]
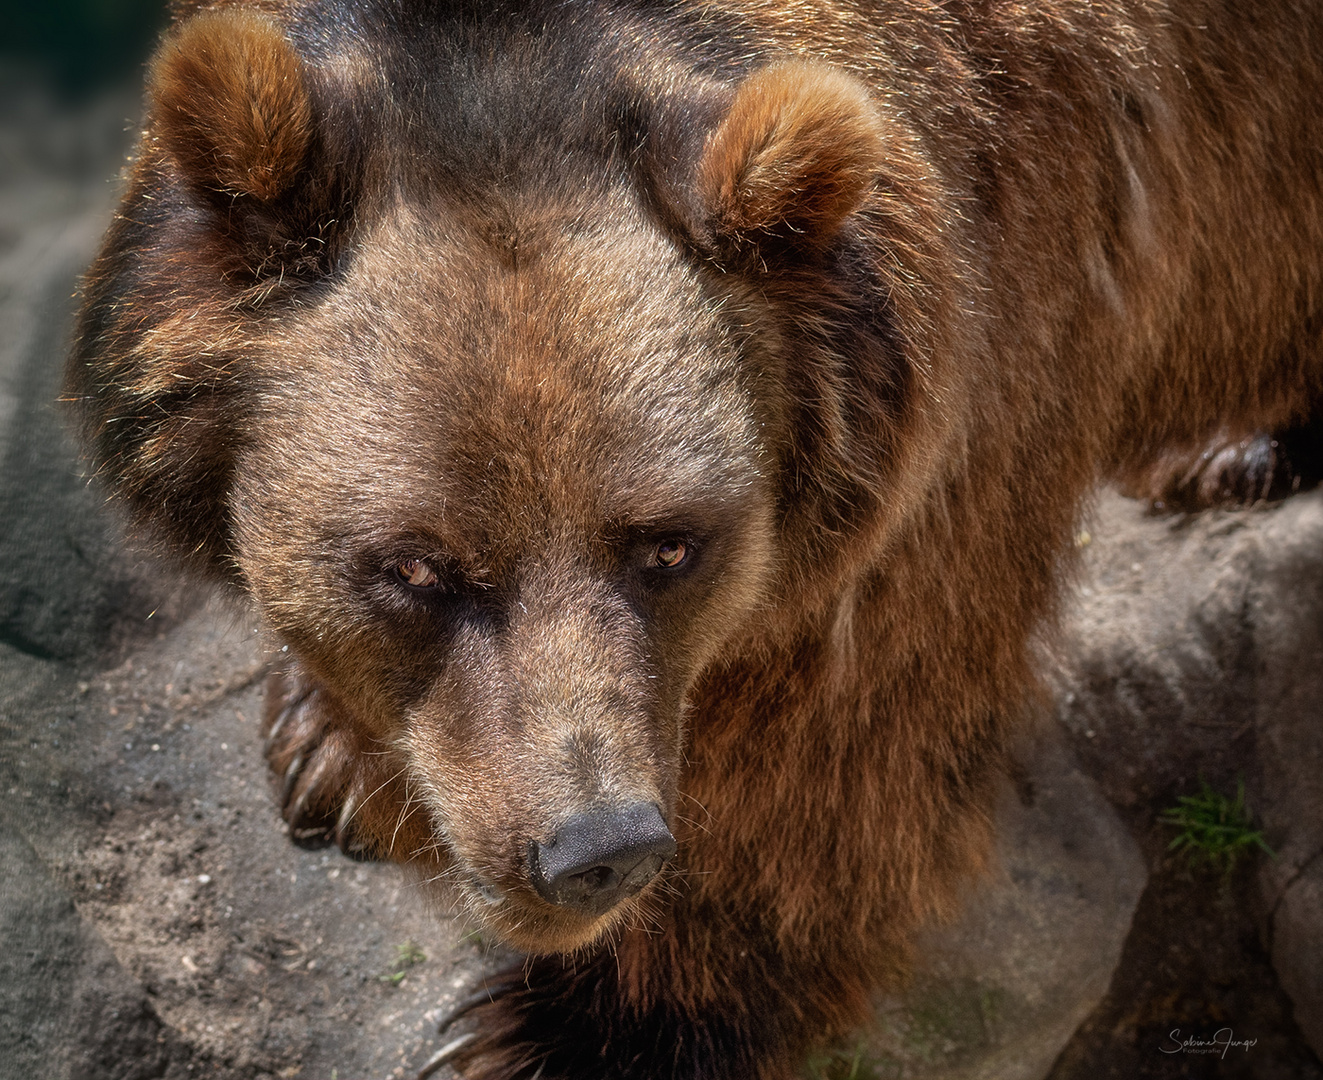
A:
[231,109]
[442,329]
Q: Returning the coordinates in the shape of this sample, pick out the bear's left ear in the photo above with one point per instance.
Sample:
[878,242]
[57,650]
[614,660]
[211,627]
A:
[794,157]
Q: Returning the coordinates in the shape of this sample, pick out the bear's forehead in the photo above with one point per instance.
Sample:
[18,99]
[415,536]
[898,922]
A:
[575,366]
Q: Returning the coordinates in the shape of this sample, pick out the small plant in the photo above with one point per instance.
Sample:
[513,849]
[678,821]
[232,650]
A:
[840,1064]
[406,956]
[1215,831]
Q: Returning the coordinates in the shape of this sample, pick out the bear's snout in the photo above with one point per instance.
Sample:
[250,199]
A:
[599,858]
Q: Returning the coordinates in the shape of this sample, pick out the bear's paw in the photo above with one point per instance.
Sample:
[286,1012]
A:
[335,786]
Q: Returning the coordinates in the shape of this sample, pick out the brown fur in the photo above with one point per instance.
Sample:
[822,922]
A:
[798,149]
[227,91]
[855,304]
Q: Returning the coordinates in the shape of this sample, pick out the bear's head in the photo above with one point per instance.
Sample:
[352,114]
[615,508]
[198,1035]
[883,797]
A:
[511,433]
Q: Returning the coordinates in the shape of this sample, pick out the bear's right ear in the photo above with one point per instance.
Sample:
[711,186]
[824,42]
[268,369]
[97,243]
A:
[237,197]
[230,105]
[796,154]
[231,108]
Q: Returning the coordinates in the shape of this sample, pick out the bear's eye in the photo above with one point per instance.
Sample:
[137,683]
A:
[416,573]
[670,554]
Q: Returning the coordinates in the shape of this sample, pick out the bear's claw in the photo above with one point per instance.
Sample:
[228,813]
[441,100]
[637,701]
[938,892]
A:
[553,1021]
[331,788]
[442,1056]
[1230,470]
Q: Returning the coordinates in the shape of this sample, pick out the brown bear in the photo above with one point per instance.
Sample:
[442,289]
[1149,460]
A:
[658,430]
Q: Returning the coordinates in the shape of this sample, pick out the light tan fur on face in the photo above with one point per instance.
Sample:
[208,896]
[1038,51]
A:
[492,436]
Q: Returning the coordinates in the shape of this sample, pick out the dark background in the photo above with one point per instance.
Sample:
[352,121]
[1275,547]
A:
[79,46]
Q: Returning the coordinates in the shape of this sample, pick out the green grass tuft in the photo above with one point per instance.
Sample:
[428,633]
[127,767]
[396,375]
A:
[1214,831]
[841,1064]
[406,956]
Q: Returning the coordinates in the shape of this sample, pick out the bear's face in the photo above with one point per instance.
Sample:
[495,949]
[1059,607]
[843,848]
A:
[505,507]
[509,433]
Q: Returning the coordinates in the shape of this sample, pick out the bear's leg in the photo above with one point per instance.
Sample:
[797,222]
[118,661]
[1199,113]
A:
[725,1007]
[1232,470]
[333,784]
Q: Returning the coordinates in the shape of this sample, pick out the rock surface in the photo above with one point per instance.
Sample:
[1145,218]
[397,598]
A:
[1297,950]
[70,1008]
[1002,990]
[1192,652]
[1288,616]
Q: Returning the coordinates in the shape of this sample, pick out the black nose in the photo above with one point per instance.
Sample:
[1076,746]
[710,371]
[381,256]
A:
[597,859]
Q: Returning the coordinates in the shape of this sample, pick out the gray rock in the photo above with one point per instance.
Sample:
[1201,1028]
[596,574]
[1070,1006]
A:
[1297,949]
[1288,620]
[68,1010]
[1155,665]
[1001,991]
[1194,647]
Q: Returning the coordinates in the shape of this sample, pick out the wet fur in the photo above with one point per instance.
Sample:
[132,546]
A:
[927,274]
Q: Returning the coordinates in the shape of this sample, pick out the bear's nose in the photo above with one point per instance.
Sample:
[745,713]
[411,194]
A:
[599,858]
